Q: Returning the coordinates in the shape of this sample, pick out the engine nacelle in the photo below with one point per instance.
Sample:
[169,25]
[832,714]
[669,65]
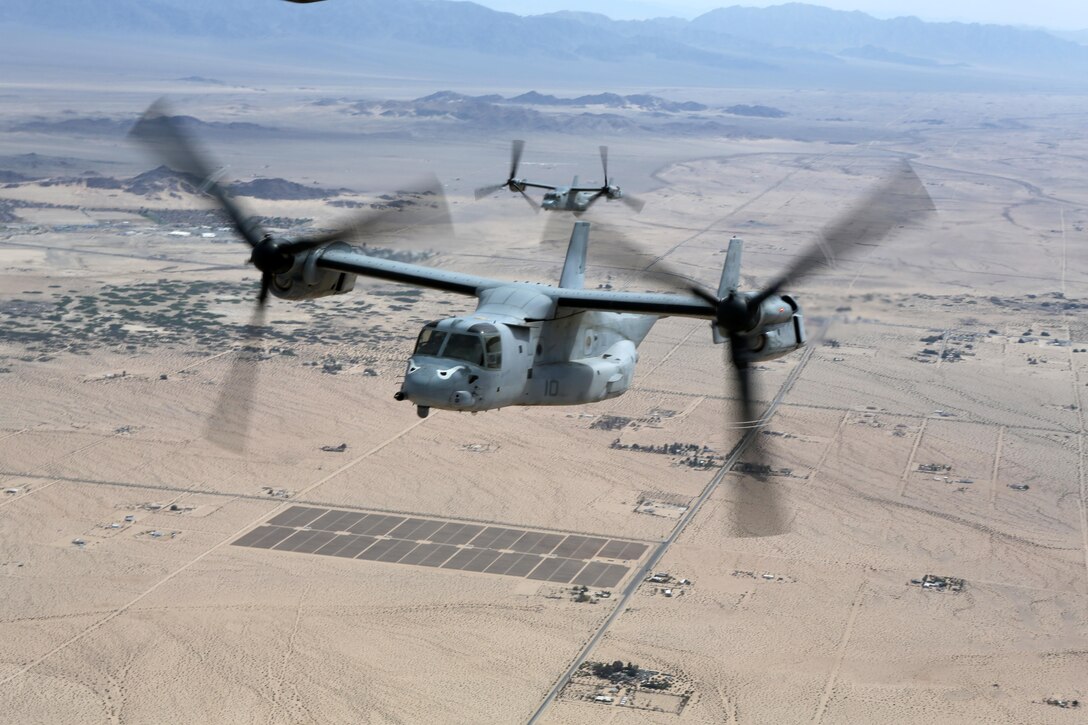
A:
[306,281]
[776,310]
[774,341]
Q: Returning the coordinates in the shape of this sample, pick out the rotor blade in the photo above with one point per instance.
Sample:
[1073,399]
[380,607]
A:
[613,249]
[755,507]
[633,202]
[423,205]
[590,201]
[752,505]
[755,503]
[702,293]
[532,202]
[515,157]
[228,425]
[165,136]
[738,348]
[486,191]
[266,284]
[604,163]
[557,230]
[900,200]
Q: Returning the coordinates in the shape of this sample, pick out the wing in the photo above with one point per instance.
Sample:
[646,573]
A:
[354,261]
[643,303]
[534,185]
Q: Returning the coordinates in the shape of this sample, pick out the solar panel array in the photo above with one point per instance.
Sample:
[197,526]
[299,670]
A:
[560,558]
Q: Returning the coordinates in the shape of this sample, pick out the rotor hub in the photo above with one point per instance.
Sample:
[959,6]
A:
[270,258]
[734,314]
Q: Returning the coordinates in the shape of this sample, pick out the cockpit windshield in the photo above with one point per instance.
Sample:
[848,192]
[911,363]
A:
[472,347]
[469,348]
[430,341]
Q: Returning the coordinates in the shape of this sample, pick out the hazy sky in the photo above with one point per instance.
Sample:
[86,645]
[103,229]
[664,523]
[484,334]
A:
[1054,14]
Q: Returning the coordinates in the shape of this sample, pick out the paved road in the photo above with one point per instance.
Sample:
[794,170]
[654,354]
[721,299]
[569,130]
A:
[659,552]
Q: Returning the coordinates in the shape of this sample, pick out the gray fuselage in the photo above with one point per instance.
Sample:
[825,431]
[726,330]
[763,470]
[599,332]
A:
[493,359]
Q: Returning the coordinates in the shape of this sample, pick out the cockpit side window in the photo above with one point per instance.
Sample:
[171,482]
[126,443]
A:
[465,347]
[430,341]
[493,352]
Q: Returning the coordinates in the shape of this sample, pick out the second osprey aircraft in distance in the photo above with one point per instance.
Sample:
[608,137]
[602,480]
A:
[572,198]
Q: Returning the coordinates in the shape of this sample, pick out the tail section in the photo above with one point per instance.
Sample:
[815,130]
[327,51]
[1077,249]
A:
[731,269]
[574,268]
[730,281]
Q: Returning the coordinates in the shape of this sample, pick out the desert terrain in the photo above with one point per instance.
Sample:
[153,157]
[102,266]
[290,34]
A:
[934,425]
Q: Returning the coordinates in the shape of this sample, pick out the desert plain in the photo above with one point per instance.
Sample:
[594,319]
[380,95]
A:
[933,425]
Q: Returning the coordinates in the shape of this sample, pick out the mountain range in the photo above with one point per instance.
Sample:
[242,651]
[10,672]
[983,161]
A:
[164,180]
[781,40]
[451,112]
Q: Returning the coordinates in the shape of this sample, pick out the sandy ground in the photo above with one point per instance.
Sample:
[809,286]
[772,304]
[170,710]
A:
[130,627]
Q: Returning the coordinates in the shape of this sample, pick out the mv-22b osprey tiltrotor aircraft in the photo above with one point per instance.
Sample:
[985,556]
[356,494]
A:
[571,198]
[537,344]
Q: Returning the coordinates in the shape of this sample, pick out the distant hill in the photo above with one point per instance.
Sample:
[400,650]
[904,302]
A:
[813,28]
[36,166]
[164,180]
[93,126]
[640,101]
[756,111]
[440,112]
[10,177]
[157,180]
[278,189]
[790,43]
[106,126]
[582,114]
[1074,36]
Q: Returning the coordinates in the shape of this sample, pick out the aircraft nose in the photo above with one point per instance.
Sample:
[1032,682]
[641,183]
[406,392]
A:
[424,372]
[434,385]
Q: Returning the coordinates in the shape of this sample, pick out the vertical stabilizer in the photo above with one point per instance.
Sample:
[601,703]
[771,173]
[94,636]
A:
[574,268]
[731,269]
[730,279]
